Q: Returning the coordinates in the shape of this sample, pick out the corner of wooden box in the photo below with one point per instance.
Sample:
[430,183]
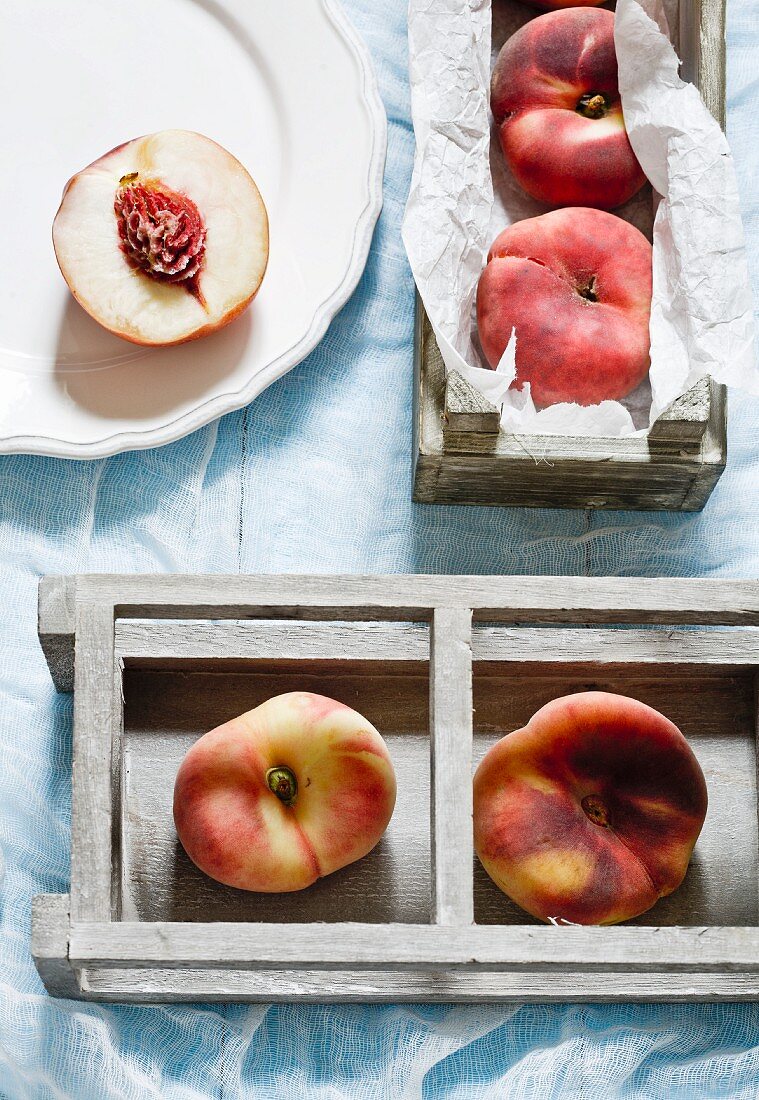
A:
[56,607]
[51,926]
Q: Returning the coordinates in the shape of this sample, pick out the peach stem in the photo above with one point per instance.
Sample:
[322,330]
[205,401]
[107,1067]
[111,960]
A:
[282,782]
[592,105]
[596,810]
[589,291]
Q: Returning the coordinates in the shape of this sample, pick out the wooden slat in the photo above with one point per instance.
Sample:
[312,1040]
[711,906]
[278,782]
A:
[703,53]
[547,600]
[451,766]
[400,597]
[139,641]
[755,823]
[151,985]
[55,626]
[97,726]
[412,946]
[711,20]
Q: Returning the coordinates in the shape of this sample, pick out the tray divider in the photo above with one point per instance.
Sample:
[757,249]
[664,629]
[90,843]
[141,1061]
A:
[451,766]
[98,721]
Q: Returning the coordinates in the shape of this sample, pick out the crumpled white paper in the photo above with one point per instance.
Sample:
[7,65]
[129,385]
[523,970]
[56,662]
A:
[462,195]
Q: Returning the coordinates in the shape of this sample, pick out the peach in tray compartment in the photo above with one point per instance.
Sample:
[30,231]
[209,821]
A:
[443,667]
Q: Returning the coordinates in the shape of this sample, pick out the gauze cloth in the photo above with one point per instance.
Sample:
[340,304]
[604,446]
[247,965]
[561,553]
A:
[315,476]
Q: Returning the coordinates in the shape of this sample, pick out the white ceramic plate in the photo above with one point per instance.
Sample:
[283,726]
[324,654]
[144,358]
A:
[285,85]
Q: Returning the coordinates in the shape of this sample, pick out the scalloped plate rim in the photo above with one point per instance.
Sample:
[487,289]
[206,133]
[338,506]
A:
[222,404]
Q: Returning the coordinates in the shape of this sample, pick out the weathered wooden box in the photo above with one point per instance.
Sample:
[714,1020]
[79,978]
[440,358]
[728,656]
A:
[463,456]
[443,666]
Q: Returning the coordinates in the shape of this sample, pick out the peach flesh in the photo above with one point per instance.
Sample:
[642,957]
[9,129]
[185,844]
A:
[281,796]
[575,284]
[164,239]
[555,100]
[589,814]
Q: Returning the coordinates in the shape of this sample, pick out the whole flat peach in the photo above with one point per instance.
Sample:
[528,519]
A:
[282,795]
[555,100]
[589,814]
[575,285]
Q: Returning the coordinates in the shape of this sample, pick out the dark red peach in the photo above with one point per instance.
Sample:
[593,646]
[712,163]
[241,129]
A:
[590,813]
[555,99]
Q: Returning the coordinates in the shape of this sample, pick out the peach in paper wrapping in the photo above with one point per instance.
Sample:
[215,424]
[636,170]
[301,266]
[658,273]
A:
[462,196]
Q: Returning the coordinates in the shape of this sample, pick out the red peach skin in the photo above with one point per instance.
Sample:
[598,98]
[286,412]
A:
[239,831]
[589,813]
[576,286]
[556,5]
[555,99]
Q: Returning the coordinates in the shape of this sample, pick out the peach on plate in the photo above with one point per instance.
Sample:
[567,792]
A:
[282,795]
[555,99]
[589,813]
[164,239]
[575,284]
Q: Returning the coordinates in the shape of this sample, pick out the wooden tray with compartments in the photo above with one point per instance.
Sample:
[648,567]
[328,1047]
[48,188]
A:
[443,666]
[463,456]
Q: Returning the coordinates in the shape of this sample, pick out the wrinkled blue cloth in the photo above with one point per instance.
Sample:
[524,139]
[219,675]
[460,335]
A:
[315,476]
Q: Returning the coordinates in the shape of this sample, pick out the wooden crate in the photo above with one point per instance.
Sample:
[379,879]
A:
[443,666]
[462,456]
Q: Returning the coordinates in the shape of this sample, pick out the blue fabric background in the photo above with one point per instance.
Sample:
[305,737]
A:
[316,476]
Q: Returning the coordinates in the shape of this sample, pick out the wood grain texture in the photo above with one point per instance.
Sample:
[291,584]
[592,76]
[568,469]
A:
[451,765]
[709,18]
[412,946]
[687,418]
[240,638]
[397,597]
[675,468]
[97,728]
[50,943]
[236,646]
[466,410]
[152,985]
[55,626]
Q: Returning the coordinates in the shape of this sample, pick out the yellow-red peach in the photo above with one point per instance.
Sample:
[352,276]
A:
[282,795]
[555,99]
[590,813]
[575,284]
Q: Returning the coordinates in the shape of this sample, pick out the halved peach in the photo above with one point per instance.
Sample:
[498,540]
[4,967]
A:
[164,239]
